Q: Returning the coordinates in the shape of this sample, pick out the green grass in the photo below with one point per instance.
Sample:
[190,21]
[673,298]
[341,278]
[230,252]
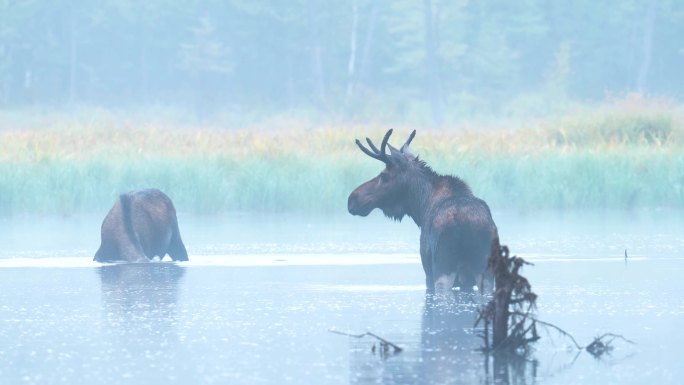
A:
[602,158]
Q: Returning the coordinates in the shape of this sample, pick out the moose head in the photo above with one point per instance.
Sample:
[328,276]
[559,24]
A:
[389,190]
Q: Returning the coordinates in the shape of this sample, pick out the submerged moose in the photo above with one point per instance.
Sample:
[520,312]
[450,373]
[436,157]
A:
[457,230]
[141,225]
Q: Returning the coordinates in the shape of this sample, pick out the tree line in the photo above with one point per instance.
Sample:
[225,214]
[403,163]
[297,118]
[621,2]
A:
[437,59]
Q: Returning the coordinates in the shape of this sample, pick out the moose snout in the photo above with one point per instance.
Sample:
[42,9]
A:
[352,204]
[355,205]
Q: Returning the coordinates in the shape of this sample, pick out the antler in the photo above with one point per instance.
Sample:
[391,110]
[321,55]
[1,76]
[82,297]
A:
[376,154]
[408,141]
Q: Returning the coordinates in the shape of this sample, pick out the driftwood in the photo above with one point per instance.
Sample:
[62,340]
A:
[386,348]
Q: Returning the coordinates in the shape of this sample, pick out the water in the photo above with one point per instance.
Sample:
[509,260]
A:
[259,297]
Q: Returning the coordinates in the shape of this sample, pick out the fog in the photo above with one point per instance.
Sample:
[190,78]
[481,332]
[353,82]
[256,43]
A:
[566,118]
[356,60]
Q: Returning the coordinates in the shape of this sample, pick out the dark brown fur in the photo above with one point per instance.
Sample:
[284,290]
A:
[457,229]
[141,225]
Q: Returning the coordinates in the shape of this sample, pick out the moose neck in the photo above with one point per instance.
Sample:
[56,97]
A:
[419,196]
[428,189]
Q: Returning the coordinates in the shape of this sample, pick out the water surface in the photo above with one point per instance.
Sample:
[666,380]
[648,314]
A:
[257,300]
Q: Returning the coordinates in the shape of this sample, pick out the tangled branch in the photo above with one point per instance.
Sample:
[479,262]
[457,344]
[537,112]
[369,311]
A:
[508,317]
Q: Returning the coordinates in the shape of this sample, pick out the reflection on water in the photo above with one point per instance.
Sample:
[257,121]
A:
[447,351]
[511,369]
[130,286]
[140,318]
[448,339]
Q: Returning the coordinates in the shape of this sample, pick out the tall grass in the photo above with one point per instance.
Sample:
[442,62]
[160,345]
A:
[617,158]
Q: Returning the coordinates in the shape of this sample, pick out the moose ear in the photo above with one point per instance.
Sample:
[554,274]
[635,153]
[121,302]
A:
[397,156]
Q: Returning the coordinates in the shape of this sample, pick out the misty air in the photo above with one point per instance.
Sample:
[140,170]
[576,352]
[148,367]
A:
[349,192]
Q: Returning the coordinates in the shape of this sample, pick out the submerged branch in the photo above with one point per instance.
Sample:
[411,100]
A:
[562,332]
[597,347]
[384,344]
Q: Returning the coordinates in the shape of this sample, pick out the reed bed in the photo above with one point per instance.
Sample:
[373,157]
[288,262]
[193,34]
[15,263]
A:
[615,158]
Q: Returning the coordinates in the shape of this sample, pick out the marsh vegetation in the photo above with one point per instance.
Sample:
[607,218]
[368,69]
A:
[629,154]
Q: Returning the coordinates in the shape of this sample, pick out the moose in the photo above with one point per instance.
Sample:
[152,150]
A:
[457,230]
[141,225]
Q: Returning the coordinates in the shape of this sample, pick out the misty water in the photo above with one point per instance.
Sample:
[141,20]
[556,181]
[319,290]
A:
[260,294]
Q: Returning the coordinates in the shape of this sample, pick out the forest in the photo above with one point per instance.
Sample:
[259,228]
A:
[430,61]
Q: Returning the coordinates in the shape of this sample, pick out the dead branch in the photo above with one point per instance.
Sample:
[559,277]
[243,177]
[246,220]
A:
[510,312]
[510,309]
[599,346]
[562,332]
[384,344]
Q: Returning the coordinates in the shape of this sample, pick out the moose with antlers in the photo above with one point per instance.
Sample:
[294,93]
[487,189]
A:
[457,230]
[142,224]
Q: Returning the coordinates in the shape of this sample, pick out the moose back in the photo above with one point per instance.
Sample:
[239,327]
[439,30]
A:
[141,225]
